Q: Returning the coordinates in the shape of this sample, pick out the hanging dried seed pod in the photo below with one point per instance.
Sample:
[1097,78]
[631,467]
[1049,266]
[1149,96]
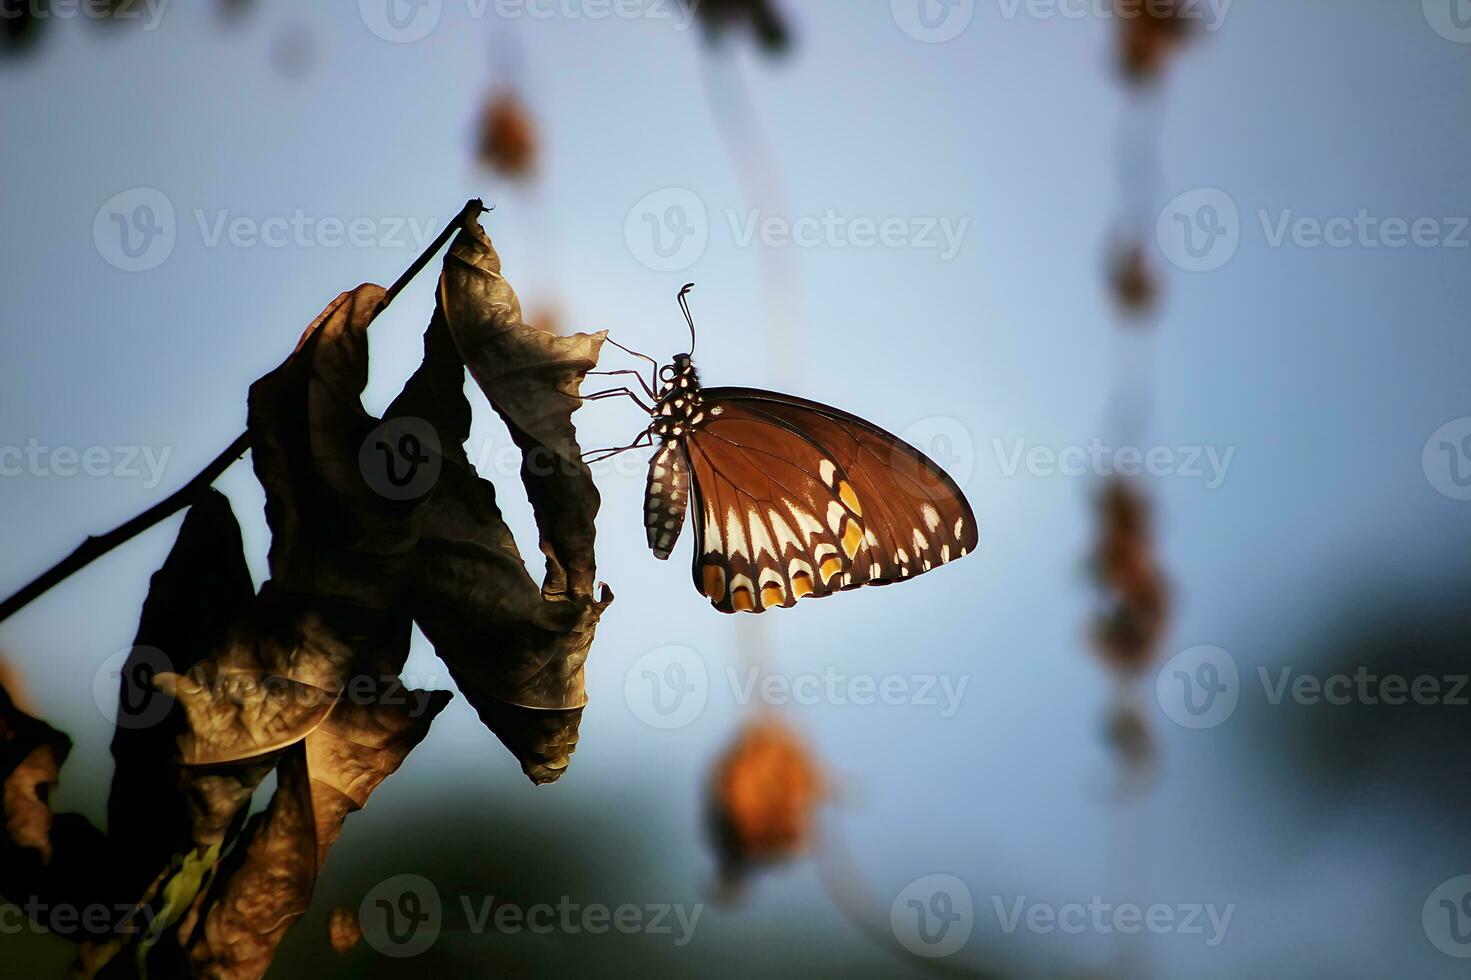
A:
[1151,32]
[21,25]
[507,140]
[343,930]
[1128,735]
[763,801]
[1133,281]
[1128,631]
[762,17]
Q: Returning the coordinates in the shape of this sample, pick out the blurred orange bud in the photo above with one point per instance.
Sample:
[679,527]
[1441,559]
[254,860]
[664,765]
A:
[764,796]
[507,137]
[1150,33]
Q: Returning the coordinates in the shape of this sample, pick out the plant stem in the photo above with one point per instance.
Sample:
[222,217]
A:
[95,547]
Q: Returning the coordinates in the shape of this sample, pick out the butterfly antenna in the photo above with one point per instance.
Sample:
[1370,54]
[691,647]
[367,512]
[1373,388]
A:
[684,304]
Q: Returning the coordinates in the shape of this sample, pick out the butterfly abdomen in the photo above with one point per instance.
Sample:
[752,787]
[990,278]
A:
[666,499]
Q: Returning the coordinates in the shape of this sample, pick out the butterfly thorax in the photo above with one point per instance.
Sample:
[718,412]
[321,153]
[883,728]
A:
[680,407]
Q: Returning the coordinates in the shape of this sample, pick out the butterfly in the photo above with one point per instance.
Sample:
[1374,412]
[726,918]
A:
[791,498]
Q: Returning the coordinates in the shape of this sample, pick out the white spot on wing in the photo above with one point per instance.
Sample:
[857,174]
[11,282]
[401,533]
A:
[809,525]
[827,471]
[784,534]
[760,540]
[735,533]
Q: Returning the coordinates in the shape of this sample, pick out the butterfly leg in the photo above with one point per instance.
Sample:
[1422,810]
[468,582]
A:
[655,369]
[647,390]
[645,438]
[613,393]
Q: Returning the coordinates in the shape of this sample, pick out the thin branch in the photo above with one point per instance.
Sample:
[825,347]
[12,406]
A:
[95,547]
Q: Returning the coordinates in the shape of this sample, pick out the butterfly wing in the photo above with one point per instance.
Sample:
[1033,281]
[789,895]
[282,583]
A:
[796,498]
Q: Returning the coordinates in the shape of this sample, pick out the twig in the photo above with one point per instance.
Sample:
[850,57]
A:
[95,547]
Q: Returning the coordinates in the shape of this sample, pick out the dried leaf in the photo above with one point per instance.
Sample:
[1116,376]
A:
[319,781]
[532,379]
[391,514]
[46,860]
[158,808]
[524,673]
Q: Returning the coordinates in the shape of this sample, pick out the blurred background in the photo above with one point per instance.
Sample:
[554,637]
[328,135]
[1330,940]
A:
[1018,233]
